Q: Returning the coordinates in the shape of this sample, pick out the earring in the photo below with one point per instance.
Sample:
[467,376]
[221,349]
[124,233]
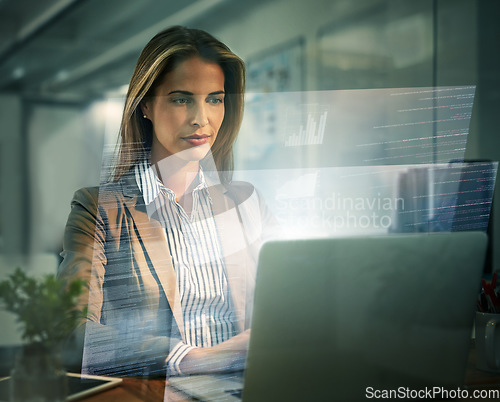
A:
[145,116]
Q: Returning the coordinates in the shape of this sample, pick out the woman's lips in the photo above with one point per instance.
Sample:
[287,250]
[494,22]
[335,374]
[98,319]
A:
[197,139]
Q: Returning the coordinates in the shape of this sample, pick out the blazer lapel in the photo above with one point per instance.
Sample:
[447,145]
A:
[153,239]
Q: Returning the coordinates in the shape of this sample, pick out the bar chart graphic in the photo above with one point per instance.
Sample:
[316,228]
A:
[310,133]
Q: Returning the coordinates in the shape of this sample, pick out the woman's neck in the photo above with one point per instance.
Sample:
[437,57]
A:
[176,174]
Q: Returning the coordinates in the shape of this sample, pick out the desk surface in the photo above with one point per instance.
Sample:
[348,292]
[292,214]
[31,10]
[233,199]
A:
[138,390]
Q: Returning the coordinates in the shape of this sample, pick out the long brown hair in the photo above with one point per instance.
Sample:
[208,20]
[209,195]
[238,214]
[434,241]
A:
[160,56]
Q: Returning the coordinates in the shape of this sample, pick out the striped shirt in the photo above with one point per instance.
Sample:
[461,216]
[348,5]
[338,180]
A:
[198,260]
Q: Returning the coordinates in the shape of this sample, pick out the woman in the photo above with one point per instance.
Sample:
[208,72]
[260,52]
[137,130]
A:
[169,245]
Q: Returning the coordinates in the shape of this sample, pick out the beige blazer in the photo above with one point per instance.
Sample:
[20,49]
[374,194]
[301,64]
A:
[134,315]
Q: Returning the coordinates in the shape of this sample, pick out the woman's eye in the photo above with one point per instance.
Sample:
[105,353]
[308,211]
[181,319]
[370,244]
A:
[215,100]
[181,101]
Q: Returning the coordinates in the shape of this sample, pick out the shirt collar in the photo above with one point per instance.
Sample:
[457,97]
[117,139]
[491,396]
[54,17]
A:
[151,186]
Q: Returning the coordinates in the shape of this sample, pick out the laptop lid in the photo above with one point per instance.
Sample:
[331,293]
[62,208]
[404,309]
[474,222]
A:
[333,317]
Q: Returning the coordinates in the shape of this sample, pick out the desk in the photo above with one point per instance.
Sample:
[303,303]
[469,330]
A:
[477,379]
[139,390]
[152,390]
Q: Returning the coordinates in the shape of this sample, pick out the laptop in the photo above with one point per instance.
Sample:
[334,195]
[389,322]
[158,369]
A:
[339,318]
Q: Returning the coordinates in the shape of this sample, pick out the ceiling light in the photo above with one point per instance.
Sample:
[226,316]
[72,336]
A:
[19,72]
[62,75]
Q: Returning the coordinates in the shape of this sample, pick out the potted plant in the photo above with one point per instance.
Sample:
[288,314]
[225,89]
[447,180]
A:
[47,312]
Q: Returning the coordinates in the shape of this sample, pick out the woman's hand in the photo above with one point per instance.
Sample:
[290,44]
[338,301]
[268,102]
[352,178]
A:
[226,356]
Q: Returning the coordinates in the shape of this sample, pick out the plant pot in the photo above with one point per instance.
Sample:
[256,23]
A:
[38,376]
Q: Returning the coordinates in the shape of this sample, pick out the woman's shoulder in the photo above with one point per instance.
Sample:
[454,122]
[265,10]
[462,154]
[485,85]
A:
[99,195]
[86,197]
[86,194]
[242,190]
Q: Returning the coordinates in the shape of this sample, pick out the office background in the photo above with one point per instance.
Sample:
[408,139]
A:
[64,62]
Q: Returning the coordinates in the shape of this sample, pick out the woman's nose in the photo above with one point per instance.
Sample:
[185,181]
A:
[200,117]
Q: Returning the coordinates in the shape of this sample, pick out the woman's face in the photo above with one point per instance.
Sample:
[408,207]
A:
[187,110]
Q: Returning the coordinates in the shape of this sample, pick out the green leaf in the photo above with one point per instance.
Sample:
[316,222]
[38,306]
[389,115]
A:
[45,308]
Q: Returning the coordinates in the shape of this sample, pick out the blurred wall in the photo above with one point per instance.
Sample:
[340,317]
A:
[65,151]
[13,186]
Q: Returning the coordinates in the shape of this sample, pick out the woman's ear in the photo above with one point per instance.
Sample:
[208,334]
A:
[145,108]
